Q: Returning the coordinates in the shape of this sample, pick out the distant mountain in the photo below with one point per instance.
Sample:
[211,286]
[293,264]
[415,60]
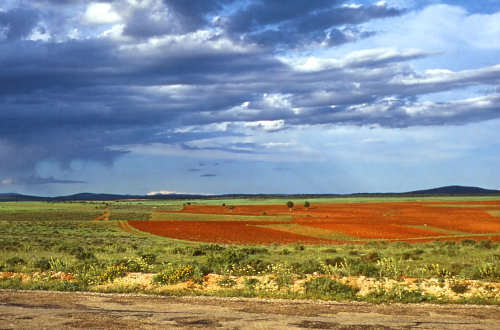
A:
[114,197]
[449,190]
[455,190]
[95,197]
[13,197]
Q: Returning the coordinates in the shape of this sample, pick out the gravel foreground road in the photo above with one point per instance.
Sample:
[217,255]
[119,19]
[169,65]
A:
[62,310]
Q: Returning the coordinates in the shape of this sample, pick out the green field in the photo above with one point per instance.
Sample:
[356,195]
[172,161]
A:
[62,237]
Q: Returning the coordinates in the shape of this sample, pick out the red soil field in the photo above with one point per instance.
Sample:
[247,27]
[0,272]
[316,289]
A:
[223,232]
[408,221]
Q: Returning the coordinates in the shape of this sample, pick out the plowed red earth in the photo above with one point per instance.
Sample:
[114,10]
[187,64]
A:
[408,221]
[224,232]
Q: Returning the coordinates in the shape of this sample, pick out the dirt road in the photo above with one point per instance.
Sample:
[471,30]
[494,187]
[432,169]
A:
[49,310]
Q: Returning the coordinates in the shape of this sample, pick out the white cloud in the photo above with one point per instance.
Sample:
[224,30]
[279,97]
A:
[100,13]
[266,125]
[163,192]
[7,181]
[461,40]
[353,6]
[482,31]
[465,77]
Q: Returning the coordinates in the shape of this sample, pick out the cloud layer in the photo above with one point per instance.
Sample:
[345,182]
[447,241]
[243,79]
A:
[94,81]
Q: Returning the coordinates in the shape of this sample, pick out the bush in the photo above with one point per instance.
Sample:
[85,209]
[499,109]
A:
[226,260]
[226,282]
[82,254]
[366,269]
[435,270]
[43,264]
[134,264]
[486,244]
[148,257]
[467,241]
[398,293]
[489,272]
[111,273]
[299,247]
[174,274]
[338,267]
[390,267]
[307,267]
[10,245]
[250,283]
[459,286]
[371,257]
[15,261]
[324,286]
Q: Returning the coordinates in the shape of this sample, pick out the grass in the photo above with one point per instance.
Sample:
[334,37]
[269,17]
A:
[61,237]
[495,213]
[157,216]
[441,230]
[310,231]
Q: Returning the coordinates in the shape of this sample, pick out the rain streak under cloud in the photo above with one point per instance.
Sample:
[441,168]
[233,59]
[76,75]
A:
[228,96]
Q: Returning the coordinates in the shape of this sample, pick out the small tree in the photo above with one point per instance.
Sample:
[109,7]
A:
[289,204]
[306,205]
[231,208]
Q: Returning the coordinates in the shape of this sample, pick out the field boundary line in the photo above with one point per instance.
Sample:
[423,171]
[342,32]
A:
[181,216]
[315,232]
[132,230]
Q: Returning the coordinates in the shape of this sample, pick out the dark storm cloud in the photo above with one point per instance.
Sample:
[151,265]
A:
[274,24]
[37,180]
[208,175]
[17,23]
[193,13]
[297,23]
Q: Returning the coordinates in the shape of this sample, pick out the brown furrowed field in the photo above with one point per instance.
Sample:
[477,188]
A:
[329,223]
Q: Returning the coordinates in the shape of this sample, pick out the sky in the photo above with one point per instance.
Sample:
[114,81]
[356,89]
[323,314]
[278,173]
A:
[248,96]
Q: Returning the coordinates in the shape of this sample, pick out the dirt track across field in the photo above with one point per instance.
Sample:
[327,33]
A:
[49,310]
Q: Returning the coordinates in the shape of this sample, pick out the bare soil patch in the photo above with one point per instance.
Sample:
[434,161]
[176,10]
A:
[56,310]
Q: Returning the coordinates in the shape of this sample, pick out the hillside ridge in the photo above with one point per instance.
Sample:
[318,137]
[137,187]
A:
[87,196]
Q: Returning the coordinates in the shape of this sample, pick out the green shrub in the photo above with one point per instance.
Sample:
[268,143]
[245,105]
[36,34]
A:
[250,283]
[254,250]
[149,257]
[15,261]
[43,264]
[11,245]
[459,286]
[338,268]
[299,247]
[371,257]
[307,267]
[489,271]
[226,260]
[397,293]
[174,274]
[366,269]
[486,244]
[82,254]
[133,264]
[435,270]
[63,265]
[226,282]
[390,267]
[112,272]
[325,286]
